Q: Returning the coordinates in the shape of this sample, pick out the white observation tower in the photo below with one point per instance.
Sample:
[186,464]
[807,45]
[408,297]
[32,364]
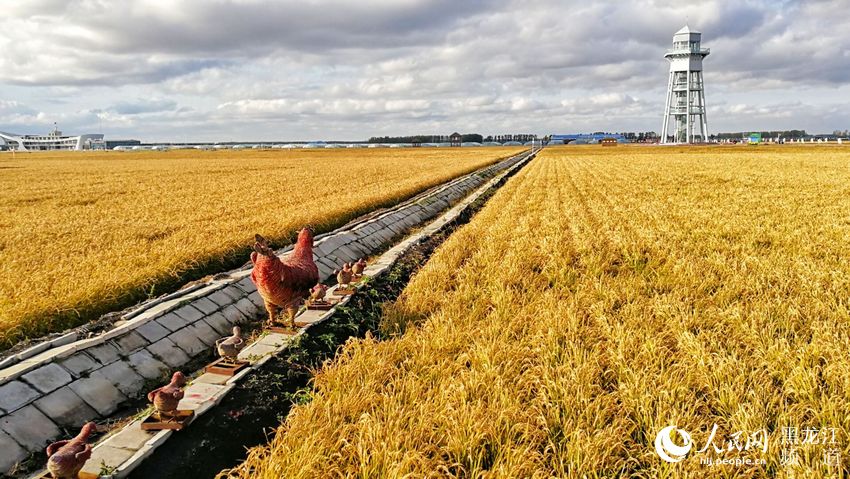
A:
[685,106]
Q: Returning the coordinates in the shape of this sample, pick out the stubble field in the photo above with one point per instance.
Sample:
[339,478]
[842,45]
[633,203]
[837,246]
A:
[84,233]
[600,296]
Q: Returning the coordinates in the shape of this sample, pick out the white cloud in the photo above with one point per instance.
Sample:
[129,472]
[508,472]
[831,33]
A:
[301,70]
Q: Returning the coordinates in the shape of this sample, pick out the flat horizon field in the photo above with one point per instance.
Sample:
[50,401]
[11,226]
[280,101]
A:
[601,296]
[85,233]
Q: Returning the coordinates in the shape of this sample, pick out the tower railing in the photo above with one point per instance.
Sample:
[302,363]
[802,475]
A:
[688,51]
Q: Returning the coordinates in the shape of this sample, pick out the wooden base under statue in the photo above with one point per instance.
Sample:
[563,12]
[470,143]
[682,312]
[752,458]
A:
[81,475]
[159,421]
[344,291]
[320,306]
[226,367]
[289,330]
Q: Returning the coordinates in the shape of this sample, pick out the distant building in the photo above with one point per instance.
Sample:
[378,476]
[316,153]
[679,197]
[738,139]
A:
[456,139]
[112,144]
[522,138]
[52,141]
[586,138]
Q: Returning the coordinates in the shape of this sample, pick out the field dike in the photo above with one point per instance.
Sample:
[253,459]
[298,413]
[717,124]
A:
[47,391]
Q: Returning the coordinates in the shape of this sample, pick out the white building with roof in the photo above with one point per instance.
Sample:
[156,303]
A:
[52,141]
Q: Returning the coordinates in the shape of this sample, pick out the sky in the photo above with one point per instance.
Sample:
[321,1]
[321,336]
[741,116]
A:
[252,70]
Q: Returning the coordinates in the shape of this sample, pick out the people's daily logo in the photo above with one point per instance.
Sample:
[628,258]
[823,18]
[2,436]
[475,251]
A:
[667,448]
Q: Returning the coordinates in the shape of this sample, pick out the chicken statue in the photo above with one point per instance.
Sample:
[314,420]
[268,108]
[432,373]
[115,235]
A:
[65,459]
[284,283]
[358,268]
[317,294]
[344,276]
[166,398]
[229,347]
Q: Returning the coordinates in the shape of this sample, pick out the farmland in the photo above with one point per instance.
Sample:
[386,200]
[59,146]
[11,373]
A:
[85,233]
[600,296]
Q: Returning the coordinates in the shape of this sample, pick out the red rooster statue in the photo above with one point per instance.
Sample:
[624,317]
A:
[166,398]
[65,459]
[283,284]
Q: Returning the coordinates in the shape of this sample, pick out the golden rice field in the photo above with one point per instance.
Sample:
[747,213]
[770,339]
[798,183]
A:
[85,233]
[600,296]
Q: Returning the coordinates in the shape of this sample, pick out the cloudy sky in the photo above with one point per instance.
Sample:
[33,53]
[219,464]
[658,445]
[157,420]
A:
[192,70]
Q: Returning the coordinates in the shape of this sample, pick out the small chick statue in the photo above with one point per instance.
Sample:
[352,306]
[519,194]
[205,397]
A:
[229,347]
[344,276]
[166,398]
[65,459]
[317,294]
[358,268]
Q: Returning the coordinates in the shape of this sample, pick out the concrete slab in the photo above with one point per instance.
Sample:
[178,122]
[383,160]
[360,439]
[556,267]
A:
[105,353]
[130,437]
[152,331]
[172,321]
[10,453]
[107,457]
[221,298]
[252,299]
[233,292]
[246,285]
[219,323]
[329,244]
[187,341]
[166,351]
[205,333]
[256,351]
[32,351]
[205,305]
[122,376]
[30,428]
[189,313]
[209,378]
[66,408]
[98,393]
[48,378]
[199,393]
[16,394]
[275,340]
[251,306]
[344,253]
[130,343]
[146,365]
[16,370]
[324,272]
[312,316]
[231,313]
[79,364]
[359,249]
